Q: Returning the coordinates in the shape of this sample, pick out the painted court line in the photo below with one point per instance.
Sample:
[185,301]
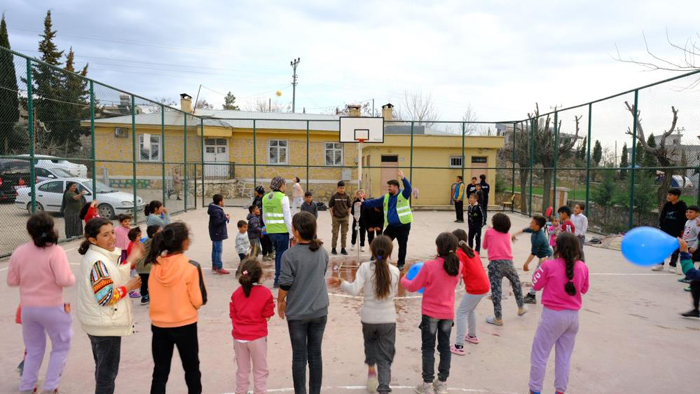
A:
[361,297]
[364,388]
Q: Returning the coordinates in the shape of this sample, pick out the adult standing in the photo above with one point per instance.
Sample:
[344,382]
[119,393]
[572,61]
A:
[485,189]
[278,221]
[397,213]
[70,207]
[458,198]
[471,188]
[672,221]
[156,214]
[40,268]
[297,195]
[177,183]
[104,308]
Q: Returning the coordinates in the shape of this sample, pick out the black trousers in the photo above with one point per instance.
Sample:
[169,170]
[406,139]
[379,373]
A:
[484,207]
[307,338]
[695,291]
[106,351]
[354,233]
[475,232]
[266,245]
[164,340]
[399,233]
[459,210]
[144,285]
[372,234]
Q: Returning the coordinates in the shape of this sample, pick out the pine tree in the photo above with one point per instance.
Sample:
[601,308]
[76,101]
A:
[597,153]
[9,95]
[624,162]
[650,160]
[639,154]
[230,102]
[583,149]
[75,103]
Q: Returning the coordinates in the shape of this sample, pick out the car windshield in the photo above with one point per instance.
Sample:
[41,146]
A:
[102,188]
[62,173]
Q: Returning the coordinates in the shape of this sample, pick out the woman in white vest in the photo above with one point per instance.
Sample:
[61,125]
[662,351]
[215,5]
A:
[104,306]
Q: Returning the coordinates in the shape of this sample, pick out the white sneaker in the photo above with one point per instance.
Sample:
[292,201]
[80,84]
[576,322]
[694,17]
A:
[440,387]
[352,247]
[657,267]
[362,249]
[424,388]
[671,270]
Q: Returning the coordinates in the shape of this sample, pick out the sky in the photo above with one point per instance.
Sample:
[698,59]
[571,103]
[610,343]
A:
[497,57]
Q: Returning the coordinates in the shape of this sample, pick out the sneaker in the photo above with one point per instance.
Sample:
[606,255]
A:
[424,388]
[222,271]
[400,266]
[494,321]
[372,382]
[534,392]
[20,368]
[334,252]
[145,300]
[530,299]
[657,267]
[135,294]
[687,288]
[458,350]
[362,249]
[440,387]
[352,247]
[684,280]
[672,270]
[343,252]
[693,313]
[471,339]
[522,311]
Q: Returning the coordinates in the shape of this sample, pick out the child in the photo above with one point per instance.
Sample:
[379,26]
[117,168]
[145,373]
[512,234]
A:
[339,205]
[267,249]
[567,226]
[439,277]
[379,282]
[359,197]
[539,248]
[581,225]
[552,230]
[254,229]
[122,234]
[497,242]
[218,233]
[242,242]
[693,275]
[476,285]
[692,231]
[134,239]
[302,280]
[89,211]
[373,220]
[480,195]
[177,286]
[142,268]
[475,221]
[309,205]
[671,221]
[251,307]
[563,279]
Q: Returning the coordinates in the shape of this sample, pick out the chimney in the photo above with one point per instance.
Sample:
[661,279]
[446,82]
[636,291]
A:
[124,100]
[388,112]
[186,103]
[354,110]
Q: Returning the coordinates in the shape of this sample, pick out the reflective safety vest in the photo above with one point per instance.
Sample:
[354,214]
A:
[403,209]
[273,215]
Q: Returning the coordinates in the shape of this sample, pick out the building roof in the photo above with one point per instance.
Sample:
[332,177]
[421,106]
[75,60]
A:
[273,120]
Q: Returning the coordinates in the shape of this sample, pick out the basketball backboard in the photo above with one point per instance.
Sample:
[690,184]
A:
[365,129]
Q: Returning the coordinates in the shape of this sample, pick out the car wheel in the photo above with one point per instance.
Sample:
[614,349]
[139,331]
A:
[106,211]
[39,208]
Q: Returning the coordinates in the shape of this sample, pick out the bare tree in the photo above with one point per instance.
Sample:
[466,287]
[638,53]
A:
[203,104]
[663,154]
[365,110]
[469,115]
[262,105]
[419,108]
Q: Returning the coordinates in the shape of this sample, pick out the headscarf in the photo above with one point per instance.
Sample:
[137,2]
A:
[277,183]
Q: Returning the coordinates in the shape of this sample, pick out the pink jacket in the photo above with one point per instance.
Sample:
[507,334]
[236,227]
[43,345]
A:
[122,234]
[552,277]
[40,273]
[498,245]
[439,294]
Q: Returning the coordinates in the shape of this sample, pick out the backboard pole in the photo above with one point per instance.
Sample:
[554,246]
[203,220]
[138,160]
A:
[359,165]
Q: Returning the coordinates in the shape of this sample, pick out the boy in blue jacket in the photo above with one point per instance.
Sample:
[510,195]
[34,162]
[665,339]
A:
[691,274]
[218,233]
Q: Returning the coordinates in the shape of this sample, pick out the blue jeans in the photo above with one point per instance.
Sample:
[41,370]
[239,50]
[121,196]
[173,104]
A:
[431,328]
[307,337]
[281,243]
[217,249]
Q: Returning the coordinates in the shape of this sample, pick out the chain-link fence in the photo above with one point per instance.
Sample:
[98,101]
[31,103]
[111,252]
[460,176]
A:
[123,150]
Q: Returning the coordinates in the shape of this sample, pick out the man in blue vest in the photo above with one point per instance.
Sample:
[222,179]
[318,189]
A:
[397,213]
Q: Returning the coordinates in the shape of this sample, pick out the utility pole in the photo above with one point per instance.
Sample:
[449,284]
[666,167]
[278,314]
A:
[294,63]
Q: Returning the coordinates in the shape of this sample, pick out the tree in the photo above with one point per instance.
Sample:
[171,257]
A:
[468,116]
[624,162]
[230,102]
[75,103]
[203,104]
[605,193]
[597,153]
[9,94]
[262,105]
[419,108]
[582,149]
[522,139]
[639,154]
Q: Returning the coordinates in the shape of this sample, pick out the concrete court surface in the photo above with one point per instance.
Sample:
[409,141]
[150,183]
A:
[631,339]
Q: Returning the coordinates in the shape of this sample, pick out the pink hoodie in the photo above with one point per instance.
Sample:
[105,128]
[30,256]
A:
[552,277]
[40,273]
[439,294]
[498,245]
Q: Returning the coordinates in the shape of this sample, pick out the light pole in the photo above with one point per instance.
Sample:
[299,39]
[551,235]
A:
[294,63]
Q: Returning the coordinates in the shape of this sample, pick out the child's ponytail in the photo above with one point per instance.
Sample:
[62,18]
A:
[305,224]
[462,244]
[447,248]
[568,250]
[381,248]
[251,271]
[169,240]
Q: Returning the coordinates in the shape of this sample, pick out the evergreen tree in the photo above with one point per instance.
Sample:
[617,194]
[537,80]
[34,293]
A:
[640,154]
[9,96]
[230,102]
[649,160]
[597,153]
[583,149]
[75,102]
[624,162]
[604,194]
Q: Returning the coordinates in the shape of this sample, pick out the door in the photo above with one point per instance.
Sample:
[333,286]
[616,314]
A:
[50,195]
[216,151]
[479,166]
[390,165]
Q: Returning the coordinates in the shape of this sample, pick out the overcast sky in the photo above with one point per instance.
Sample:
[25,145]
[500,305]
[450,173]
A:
[499,56]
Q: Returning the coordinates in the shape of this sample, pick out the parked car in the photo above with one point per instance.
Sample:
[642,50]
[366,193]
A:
[13,174]
[49,195]
[50,162]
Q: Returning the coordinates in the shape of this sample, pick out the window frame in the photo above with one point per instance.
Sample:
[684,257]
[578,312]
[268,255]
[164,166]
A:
[336,146]
[278,147]
[461,160]
[159,158]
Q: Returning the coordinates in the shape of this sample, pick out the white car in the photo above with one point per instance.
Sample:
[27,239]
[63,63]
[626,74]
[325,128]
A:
[50,162]
[49,195]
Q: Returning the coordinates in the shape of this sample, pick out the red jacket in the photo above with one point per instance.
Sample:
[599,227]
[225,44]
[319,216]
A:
[475,280]
[249,314]
[91,214]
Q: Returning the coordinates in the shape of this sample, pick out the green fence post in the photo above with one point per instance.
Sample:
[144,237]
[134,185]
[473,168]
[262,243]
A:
[512,206]
[410,171]
[533,124]
[588,156]
[255,158]
[92,139]
[464,131]
[185,161]
[32,138]
[201,143]
[133,153]
[307,155]
[556,158]
[634,156]
[698,186]
[164,184]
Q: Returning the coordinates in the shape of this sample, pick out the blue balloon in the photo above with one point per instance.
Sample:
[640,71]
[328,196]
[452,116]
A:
[413,272]
[647,246]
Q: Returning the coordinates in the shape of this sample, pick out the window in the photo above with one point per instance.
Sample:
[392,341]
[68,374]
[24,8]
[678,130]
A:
[52,187]
[277,153]
[149,147]
[390,159]
[479,159]
[334,154]
[456,161]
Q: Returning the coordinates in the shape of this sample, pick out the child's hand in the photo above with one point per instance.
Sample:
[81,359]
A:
[514,238]
[682,244]
[526,267]
[228,217]
[333,281]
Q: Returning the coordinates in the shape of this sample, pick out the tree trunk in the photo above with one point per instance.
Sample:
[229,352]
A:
[524,189]
[547,188]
